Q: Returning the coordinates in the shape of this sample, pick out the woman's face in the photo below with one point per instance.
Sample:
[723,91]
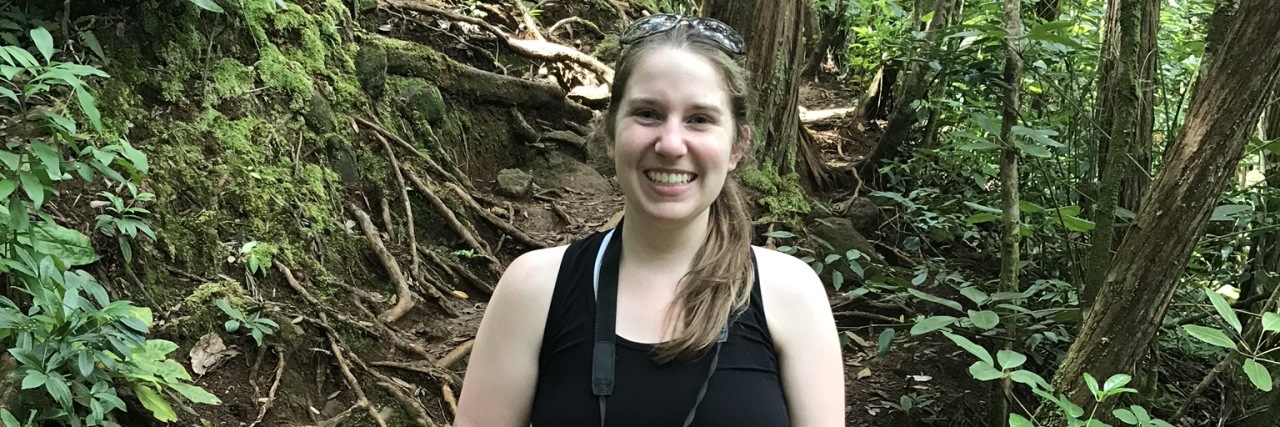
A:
[674,139]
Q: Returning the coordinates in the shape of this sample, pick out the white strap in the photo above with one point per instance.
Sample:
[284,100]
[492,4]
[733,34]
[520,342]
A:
[595,282]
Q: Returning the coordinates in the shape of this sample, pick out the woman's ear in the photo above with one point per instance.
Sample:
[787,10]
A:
[744,140]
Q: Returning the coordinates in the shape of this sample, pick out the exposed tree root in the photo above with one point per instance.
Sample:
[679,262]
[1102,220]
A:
[458,270]
[573,19]
[448,215]
[537,49]
[404,196]
[493,219]
[275,385]
[456,354]
[361,400]
[435,167]
[404,298]
[416,61]
[306,295]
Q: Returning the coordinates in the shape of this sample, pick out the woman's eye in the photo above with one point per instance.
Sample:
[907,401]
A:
[700,120]
[647,115]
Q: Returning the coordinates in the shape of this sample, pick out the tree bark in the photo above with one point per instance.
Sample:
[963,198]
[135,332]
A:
[1117,116]
[1141,281]
[915,86]
[775,51]
[1139,177]
[1009,197]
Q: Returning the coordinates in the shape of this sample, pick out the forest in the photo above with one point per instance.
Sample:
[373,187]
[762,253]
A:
[293,212]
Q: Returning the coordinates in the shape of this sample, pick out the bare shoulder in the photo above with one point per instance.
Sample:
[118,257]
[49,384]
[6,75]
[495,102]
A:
[787,280]
[532,274]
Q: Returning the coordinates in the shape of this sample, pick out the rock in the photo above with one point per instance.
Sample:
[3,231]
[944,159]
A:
[515,183]
[319,114]
[425,99]
[841,234]
[864,215]
[556,169]
[371,69]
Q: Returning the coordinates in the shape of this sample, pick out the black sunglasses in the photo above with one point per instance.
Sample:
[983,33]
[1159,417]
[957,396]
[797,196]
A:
[712,29]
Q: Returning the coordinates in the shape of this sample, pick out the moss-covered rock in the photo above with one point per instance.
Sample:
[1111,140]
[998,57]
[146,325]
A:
[425,99]
[371,69]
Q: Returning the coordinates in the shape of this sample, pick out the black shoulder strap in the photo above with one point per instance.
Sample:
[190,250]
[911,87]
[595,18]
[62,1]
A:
[604,354]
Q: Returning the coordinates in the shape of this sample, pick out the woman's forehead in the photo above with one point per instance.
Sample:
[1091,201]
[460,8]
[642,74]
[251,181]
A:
[668,75]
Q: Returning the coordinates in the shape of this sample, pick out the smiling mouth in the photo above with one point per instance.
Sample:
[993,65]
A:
[670,178]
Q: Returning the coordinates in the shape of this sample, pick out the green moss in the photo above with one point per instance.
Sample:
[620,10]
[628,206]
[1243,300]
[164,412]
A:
[783,196]
[285,74]
[371,69]
[201,306]
[228,78]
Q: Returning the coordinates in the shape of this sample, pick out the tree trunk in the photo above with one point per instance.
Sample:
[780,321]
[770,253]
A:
[831,33]
[1139,284]
[775,49]
[915,86]
[1047,10]
[1009,197]
[1139,176]
[1117,116]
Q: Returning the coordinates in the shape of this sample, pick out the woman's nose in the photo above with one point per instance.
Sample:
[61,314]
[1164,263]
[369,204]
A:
[671,143]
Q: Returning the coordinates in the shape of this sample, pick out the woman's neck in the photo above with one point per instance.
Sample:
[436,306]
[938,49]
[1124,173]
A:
[663,244]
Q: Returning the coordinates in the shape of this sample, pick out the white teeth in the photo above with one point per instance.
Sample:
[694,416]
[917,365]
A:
[669,178]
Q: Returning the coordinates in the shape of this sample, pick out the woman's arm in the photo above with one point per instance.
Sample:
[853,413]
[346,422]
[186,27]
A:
[503,370]
[804,334]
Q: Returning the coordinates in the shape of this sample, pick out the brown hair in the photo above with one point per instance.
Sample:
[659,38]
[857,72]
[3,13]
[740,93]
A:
[718,285]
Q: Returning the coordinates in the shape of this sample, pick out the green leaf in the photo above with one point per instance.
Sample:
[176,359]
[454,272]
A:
[1125,416]
[1016,420]
[1116,381]
[1224,310]
[91,40]
[12,160]
[971,347]
[930,324]
[1228,212]
[1029,378]
[1035,150]
[936,299]
[34,379]
[57,387]
[780,234]
[1258,375]
[44,42]
[985,319]
[9,93]
[6,188]
[1077,224]
[195,394]
[1093,384]
[1210,335]
[983,371]
[882,344]
[139,160]
[8,419]
[837,279]
[49,157]
[232,325]
[982,208]
[981,217]
[90,107]
[152,401]
[1271,322]
[208,5]
[1010,359]
[974,294]
[34,188]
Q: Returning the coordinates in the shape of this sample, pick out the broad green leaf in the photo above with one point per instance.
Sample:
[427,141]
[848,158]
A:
[9,93]
[90,107]
[195,394]
[49,157]
[34,379]
[983,371]
[6,188]
[91,40]
[152,401]
[930,324]
[34,188]
[978,146]
[1224,310]
[1258,375]
[1210,335]
[1116,381]
[971,347]
[139,160]
[208,5]
[232,325]
[1029,378]
[44,42]
[8,419]
[982,208]
[981,217]
[935,299]
[1125,416]
[1093,384]
[1010,359]
[974,294]
[1035,150]
[1048,27]
[1016,420]
[11,160]
[68,245]
[58,388]
[1077,224]
[837,279]
[62,121]
[1271,322]
[985,319]
[882,344]
[1228,212]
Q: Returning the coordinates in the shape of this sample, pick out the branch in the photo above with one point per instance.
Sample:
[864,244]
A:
[571,19]
[493,219]
[447,214]
[361,399]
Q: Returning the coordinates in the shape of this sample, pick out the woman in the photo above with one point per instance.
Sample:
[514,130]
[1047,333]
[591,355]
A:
[682,338]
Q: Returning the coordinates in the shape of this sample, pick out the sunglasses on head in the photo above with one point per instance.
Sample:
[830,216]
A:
[712,29]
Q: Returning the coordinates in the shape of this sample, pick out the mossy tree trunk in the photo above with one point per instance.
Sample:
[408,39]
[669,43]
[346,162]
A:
[1138,286]
[775,51]
[1117,118]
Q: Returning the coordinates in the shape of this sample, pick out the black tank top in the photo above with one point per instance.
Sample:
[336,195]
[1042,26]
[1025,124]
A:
[745,390]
